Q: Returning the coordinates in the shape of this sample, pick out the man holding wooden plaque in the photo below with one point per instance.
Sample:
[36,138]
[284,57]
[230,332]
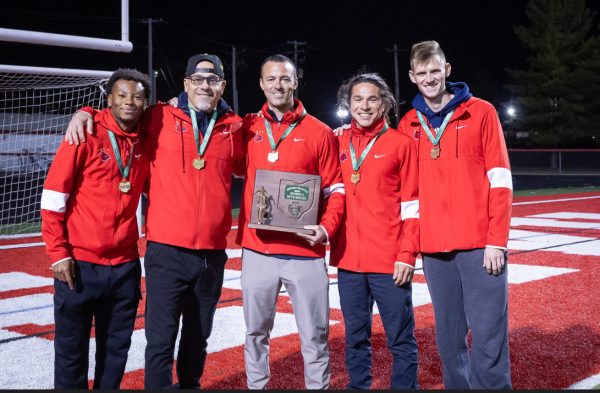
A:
[293,186]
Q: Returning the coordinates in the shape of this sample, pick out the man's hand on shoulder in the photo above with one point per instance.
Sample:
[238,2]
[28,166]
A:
[80,122]
[340,130]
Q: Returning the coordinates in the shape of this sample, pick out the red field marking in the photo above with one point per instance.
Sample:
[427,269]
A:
[26,292]
[554,327]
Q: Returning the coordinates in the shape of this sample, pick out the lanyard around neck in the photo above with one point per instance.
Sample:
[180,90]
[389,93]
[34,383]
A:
[202,147]
[285,133]
[434,140]
[123,170]
[356,164]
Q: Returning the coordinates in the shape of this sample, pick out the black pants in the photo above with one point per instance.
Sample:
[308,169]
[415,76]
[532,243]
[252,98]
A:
[179,283]
[110,296]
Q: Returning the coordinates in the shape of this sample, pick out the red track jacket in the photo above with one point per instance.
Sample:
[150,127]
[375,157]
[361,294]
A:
[380,226]
[311,148]
[187,207]
[466,194]
[84,215]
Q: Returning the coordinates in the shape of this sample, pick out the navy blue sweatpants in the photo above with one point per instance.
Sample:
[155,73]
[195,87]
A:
[358,292]
[464,297]
[186,283]
[110,296]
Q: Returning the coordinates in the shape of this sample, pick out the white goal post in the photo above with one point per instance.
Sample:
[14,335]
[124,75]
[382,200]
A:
[36,105]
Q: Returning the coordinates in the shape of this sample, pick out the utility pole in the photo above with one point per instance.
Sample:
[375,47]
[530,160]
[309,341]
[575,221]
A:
[151,73]
[234,78]
[396,75]
[296,44]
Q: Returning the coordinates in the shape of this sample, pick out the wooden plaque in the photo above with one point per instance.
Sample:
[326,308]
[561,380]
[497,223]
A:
[285,201]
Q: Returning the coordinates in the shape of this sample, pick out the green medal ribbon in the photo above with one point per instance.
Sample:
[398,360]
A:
[202,147]
[356,164]
[440,132]
[285,133]
[115,147]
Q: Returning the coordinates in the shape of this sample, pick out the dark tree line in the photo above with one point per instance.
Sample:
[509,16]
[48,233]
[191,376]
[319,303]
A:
[558,94]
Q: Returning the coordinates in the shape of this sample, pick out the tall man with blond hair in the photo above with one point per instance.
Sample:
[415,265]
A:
[465,195]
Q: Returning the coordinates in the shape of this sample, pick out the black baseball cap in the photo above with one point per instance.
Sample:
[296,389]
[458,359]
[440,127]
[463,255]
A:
[194,60]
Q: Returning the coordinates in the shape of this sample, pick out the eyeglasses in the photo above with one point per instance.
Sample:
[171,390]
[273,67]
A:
[199,80]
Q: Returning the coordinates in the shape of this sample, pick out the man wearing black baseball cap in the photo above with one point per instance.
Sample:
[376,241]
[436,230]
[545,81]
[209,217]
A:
[195,148]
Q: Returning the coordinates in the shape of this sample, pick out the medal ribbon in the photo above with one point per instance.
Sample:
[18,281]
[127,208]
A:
[356,164]
[202,147]
[115,147]
[285,133]
[440,132]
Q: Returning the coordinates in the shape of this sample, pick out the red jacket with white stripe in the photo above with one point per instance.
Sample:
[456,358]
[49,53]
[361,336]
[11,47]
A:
[188,207]
[381,224]
[466,194]
[84,214]
[311,148]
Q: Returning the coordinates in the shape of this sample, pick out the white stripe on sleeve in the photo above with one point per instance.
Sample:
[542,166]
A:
[409,209]
[54,201]
[337,187]
[500,177]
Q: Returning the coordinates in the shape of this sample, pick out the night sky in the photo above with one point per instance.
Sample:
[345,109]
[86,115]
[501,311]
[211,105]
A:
[342,38]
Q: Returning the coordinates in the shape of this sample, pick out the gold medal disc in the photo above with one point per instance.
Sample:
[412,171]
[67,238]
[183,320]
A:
[198,163]
[435,152]
[355,178]
[124,186]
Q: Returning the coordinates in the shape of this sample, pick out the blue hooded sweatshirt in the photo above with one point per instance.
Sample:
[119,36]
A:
[435,119]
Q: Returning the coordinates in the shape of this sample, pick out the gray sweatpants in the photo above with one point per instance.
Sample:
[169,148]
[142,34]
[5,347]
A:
[466,297]
[306,282]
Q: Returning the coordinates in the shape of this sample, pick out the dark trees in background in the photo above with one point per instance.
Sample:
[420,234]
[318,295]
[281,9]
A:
[558,94]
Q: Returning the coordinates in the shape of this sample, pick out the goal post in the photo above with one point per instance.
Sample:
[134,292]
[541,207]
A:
[36,105]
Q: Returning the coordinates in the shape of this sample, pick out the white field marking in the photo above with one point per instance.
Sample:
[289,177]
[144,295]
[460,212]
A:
[519,274]
[547,222]
[37,309]
[236,227]
[529,240]
[229,331]
[24,245]
[587,383]
[26,364]
[568,215]
[18,280]
[555,200]
[420,297]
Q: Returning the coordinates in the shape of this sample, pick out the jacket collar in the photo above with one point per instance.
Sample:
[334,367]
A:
[461,110]
[105,119]
[370,131]
[288,117]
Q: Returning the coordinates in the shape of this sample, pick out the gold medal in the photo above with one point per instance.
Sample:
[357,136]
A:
[273,156]
[198,163]
[124,186]
[355,178]
[435,152]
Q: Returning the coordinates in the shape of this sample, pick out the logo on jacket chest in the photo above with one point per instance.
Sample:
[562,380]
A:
[416,133]
[180,128]
[344,156]
[104,156]
[258,137]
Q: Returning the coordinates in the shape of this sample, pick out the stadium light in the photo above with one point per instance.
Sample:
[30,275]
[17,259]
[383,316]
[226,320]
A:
[511,111]
[342,113]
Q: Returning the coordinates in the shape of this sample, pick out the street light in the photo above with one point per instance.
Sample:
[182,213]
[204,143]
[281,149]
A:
[511,111]
[342,114]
